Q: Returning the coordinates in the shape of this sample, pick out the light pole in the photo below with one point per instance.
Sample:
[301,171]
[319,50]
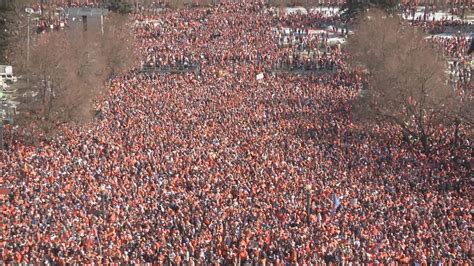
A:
[29,11]
[1,133]
[28,54]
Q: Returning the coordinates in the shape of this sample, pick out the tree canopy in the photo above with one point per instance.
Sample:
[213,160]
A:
[406,77]
[69,70]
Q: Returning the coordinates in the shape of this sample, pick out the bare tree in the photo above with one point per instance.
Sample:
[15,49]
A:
[117,45]
[406,77]
[50,70]
[69,70]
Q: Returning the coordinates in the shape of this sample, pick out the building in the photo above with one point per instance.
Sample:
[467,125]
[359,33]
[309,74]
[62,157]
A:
[86,17]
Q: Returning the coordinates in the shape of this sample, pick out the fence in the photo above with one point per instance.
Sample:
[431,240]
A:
[305,69]
[196,68]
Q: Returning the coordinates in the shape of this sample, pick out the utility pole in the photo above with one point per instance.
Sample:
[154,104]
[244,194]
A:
[28,53]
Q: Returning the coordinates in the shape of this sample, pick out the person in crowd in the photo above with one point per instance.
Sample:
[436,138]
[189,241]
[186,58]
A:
[219,167]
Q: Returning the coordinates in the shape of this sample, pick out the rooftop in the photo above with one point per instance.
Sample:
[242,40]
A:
[85,11]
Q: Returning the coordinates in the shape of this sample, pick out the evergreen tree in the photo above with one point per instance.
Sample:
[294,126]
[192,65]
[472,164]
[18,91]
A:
[5,15]
[11,13]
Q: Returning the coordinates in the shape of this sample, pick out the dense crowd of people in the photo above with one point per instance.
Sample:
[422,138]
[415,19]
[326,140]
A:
[54,18]
[460,68]
[302,39]
[219,167]
[439,26]
[434,20]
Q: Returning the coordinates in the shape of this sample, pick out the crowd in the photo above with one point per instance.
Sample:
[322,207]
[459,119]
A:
[310,61]
[453,35]
[302,39]
[306,49]
[434,20]
[316,19]
[54,19]
[460,68]
[439,26]
[74,3]
[218,167]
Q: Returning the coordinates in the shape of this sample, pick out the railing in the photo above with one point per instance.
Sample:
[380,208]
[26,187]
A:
[305,69]
[196,68]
